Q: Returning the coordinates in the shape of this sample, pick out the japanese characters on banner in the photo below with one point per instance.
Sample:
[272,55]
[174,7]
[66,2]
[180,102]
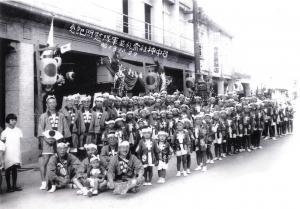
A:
[116,43]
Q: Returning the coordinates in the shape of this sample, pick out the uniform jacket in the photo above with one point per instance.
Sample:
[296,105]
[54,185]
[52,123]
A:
[98,121]
[185,143]
[107,152]
[165,151]
[45,124]
[71,115]
[62,167]
[146,154]
[85,167]
[119,169]
[84,121]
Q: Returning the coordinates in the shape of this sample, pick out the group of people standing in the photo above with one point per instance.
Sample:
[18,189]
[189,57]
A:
[115,143]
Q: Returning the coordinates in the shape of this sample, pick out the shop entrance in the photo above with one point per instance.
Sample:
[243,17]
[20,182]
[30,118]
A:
[3,51]
[177,79]
[85,80]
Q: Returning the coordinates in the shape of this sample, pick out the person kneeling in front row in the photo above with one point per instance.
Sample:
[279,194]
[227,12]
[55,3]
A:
[125,171]
[61,168]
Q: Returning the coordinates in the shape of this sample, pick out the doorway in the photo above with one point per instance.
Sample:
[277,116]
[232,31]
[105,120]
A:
[177,79]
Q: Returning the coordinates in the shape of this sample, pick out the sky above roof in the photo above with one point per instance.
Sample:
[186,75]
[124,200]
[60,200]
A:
[266,36]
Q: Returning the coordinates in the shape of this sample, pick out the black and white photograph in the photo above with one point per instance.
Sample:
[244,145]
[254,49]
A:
[149,104]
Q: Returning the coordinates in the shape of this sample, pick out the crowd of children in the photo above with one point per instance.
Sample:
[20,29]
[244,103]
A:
[156,127]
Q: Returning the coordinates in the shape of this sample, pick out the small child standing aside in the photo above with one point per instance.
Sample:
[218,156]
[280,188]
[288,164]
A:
[12,137]
[165,151]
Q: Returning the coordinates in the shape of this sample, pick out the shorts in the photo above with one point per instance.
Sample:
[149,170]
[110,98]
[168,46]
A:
[47,149]
[219,140]
[181,152]
[162,165]
[91,181]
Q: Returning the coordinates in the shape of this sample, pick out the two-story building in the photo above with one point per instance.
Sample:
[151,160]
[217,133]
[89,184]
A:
[142,31]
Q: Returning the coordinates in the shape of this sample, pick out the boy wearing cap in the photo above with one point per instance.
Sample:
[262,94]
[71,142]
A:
[165,151]
[131,131]
[200,135]
[109,107]
[162,123]
[96,175]
[50,120]
[231,133]
[124,103]
[217,131]
[147,152]
[181,143]
[99,116]
[120,130]
[189,129]
[82,173]
[109,128]
[118,105]
[111,149]
[71,115]
[210,137]
[85,116]
[171,124]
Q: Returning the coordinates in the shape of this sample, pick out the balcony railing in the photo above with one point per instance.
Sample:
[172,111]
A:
[94,13]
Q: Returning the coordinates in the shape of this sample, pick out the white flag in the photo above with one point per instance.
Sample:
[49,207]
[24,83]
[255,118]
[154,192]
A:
[50,40]
[65,48]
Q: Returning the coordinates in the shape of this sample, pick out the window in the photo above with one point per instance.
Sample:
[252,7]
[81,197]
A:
[216,60]
[147,21]
[125,16]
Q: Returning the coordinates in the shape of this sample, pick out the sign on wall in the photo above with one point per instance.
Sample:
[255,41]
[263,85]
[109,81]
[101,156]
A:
[116,43]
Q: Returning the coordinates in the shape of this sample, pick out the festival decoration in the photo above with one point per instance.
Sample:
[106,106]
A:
[152,81]
[125,78]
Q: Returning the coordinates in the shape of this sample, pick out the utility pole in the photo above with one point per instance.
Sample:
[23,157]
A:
[200,85]
[196,40]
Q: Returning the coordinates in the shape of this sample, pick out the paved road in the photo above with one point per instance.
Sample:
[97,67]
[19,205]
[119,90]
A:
[267,178]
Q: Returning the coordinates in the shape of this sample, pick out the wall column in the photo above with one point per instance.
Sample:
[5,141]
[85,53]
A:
[19,98]
[230,85]
[247,89]
[220,86]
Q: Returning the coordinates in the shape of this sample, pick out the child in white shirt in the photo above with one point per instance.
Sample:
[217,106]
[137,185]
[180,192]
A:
[12,137]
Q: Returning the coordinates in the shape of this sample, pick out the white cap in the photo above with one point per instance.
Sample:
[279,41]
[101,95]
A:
[110,122]
[70,97]
[62,145]
[162,133]
[90,146]
[124,144]
[147,130]
[118,119]
[50,97]
[99,99]
[112,97]
[111,135]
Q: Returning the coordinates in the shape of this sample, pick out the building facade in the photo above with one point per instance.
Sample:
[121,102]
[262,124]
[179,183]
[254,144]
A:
[143,31]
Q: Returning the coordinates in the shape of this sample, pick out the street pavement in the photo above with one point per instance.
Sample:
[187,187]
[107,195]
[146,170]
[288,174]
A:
[267,178]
